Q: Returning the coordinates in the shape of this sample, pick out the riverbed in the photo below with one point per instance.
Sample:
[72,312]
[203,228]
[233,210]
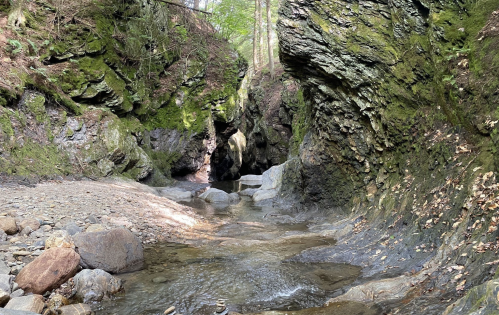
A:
[246,263]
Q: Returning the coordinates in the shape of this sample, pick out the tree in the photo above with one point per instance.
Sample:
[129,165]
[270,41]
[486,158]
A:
[256,36]
[260,33]
[196,4]
[270,39]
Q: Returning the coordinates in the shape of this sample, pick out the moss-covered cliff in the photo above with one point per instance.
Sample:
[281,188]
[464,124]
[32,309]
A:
[154,76]
[402,103]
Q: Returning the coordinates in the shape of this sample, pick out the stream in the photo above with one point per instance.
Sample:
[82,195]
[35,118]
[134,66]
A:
[246,265]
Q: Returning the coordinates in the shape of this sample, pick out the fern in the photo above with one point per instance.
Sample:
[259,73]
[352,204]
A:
[16,45]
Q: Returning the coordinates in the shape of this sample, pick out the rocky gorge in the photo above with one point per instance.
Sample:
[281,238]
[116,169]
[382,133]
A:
[379,130]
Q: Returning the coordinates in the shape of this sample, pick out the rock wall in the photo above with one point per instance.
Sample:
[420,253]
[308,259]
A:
[400,148]
[158,73]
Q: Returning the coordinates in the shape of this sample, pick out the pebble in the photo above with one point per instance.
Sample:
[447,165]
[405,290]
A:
[159,280]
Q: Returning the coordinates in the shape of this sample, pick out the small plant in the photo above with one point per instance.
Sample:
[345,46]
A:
[450,79]
[16,46]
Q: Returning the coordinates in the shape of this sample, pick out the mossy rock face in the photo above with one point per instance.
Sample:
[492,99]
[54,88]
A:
[134,61]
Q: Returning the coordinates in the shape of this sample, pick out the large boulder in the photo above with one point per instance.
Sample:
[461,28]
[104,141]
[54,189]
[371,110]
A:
[95,285]
[115,251]
[48,271]
[8,225]
[271,183]
[30,303]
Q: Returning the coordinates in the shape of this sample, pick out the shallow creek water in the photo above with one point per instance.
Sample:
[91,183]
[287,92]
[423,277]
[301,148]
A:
[247,266]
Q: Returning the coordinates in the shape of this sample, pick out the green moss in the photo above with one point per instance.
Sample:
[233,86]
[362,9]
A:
[36,105]
[5,122]
[300,122]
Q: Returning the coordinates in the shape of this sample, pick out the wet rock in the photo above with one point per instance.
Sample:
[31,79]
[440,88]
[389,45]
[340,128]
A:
[8,225]
[30,303]
[159,280]
[251,178]
[271,183]
[60,239]
[248,192]
[72,228]
[4,297]
[6,282]
[57,301]
[214,195]
[114,251]
[176,194]
[234,197]
[264,195]
[48,271]
[95,285]
[33,223]
[76,309]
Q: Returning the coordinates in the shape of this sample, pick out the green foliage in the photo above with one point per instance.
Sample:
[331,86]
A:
[233,18]
[16,46]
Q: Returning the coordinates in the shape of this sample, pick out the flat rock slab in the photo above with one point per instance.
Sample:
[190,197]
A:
[76,309]
[30,303]
[49,270]
[114,251]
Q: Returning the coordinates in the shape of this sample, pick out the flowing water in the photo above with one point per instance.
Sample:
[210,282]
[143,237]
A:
[246,266]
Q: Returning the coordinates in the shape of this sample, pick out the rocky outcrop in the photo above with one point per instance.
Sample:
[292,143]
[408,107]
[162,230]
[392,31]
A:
[114,251]
[268,119]
[397,134]
[90,104]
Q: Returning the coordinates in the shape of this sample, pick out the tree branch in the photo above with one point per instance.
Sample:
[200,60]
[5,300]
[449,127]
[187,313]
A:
[183,6]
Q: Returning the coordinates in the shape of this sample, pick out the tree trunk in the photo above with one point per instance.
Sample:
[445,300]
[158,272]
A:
[260,33]
[196,4]
[255,38]
[270,41]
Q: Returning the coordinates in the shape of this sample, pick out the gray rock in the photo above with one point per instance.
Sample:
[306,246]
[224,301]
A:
[95,285]
[72,228]
[4,269]
[3,235]
[30,303]
[4,298]
[264,195]
[6,283]
[214,195]
[251,178]
[248,192]
[93,220]
[234,197]
[272,179]
[95,228]
[176,194]
[26,231]
[114,251]
[17,293]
